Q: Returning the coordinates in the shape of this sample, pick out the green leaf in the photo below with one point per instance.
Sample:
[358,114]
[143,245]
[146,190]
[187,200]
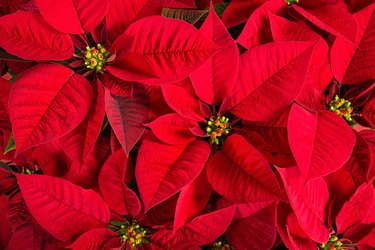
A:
[5,166]
[11,144]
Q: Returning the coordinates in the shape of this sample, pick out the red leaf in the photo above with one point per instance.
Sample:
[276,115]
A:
[127,116]
[257,29]
[163,172]
[241,174]
[309,202]
[321,142]
[123,13]
[181,98]
[357,209]
[80,141]
[68,210]
[180,4]
[332,17]
[215,79]
[257,230]
[270,78]
[73,16]
[53,100]
[354,62]
[239,11]
[119,198]
[173,129]
[193,198]
[116,85]
[28,36]
[164,239]
[93,239]
[150,49]
[208,227]
[5,87]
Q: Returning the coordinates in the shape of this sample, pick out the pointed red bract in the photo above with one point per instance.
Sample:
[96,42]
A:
[150,50]
[215,79]
[80,141]
[28,36]
[163,172]
[5,87]
[73,16]
[127,115]
[308,201]
[192,200]
[354,62]
[53,100]
[270,78]
[321,142]
[241,174]
[123,13]
[72,209]
[93,239]
[119,198]
[173,129]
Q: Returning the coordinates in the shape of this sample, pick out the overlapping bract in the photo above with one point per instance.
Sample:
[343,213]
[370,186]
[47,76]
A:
[249,127]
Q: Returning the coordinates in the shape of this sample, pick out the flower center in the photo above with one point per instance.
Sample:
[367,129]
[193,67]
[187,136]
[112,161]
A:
[217,128]
[290,2]
[220,245]
[342,108]
[334,243]
[96,57]
[132,234]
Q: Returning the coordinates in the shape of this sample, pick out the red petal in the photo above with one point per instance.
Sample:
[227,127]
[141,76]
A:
[150,49]
[181,98]
[257,230]
[353,62]
[270,78]
[93,239]
[173,129]
[122,13]
[192,200]
[80,141]
[28,36]
[53,100]
[331,17]
[162,173]
[321,142]
[164,239]
[215,79]
[119,198]
[5,87]
[73,16]
[180,4]
[240,173]
[127,115]
[308,201]
[64,204]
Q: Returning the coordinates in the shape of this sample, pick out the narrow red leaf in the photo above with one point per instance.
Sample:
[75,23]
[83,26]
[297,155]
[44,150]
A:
[93,239]
[5,87]
[309,202]
[241,174]
[73,16]
[193,198]
[269,80]
[53,100]
[27,35]
[150,49]
[80,141]
[127,115]
[215,79]
[354,62]
[119,198]
[321,142]
[173,129]
[162,173]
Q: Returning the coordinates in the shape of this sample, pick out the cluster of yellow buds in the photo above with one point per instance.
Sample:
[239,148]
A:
[289,2]
[216,127]
[96,57]
[342,108]
[131,234]
[29,171]
[333,244]
[220,245]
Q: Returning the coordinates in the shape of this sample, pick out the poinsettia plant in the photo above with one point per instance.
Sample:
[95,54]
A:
[187,124]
